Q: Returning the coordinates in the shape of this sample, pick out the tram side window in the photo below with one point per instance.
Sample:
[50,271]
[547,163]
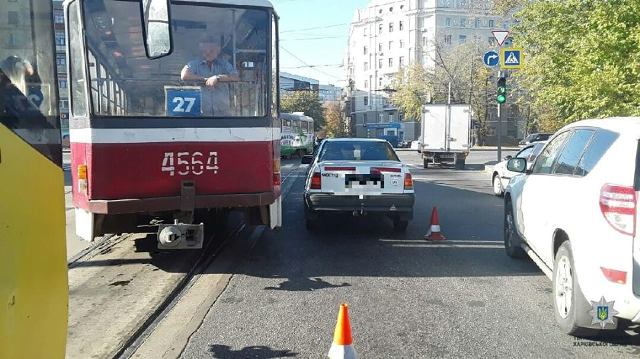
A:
[219,66]
[275,71]
[28,100]
[77,79]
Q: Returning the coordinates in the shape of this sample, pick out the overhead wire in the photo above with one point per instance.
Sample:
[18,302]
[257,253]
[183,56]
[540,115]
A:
[309,65]
[315,28]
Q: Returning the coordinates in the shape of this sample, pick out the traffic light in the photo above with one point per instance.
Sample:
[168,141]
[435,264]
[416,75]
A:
[502,91]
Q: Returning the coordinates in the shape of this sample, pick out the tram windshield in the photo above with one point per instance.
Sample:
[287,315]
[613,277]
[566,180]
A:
[218,67]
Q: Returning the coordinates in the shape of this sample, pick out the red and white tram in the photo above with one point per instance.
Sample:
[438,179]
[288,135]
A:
[174,108]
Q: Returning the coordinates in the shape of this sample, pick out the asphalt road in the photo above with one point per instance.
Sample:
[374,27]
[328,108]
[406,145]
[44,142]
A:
[408,298]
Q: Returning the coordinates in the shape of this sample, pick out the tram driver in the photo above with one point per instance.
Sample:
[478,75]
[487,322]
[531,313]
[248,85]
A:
[215,72]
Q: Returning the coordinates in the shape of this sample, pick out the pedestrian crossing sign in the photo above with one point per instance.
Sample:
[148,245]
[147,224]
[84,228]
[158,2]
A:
[511,58]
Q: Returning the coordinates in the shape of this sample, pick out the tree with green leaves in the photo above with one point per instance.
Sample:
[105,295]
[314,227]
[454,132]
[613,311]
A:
[334,121]
[459,68]
[582,59]
[412,87]
[307,102]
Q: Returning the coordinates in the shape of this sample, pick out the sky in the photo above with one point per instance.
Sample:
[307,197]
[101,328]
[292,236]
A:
[315,33]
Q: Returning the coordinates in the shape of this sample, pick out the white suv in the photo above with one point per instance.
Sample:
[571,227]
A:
[574,213]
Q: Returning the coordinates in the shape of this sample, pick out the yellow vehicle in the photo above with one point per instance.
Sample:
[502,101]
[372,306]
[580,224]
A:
[33,266]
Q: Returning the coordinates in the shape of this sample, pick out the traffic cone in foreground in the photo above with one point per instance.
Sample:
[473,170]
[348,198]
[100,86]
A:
[434,232]
[342,347]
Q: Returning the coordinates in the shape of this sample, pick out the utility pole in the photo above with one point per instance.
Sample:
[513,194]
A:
[448,118]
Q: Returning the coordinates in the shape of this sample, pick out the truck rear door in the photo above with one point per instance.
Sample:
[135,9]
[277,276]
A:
[459,128]
[434,128]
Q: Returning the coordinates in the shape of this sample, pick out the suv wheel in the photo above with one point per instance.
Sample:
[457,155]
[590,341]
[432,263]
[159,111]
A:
[497,185]
[512,239]
[569,305]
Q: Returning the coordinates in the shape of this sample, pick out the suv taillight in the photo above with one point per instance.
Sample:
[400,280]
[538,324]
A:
[316,181]
[618,205]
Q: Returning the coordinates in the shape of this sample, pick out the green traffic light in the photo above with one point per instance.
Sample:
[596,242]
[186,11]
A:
[502,91]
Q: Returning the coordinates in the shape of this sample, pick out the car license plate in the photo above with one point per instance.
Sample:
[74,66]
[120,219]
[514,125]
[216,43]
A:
[363,181]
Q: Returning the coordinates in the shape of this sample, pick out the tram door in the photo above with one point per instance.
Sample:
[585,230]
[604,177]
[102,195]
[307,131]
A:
[33,266]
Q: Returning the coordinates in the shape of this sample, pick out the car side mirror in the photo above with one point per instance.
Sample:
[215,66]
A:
[507,158]
[307,159]
[517,165]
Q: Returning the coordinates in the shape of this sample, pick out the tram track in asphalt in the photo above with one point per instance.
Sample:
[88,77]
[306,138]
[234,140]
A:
[122,292]
[103,243]
[208,256]
[135,344]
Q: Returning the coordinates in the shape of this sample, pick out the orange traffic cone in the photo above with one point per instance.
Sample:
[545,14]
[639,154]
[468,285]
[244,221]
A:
[434,232]
[342,347]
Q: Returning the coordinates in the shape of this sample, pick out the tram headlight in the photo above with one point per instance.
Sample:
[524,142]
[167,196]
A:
[82,179]
[276,172]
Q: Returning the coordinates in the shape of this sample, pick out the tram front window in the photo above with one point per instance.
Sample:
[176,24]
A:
[218,67]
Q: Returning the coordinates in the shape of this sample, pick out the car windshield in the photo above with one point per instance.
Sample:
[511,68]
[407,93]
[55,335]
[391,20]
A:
[357,151]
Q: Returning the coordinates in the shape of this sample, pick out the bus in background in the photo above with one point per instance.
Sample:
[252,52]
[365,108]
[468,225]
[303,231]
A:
[33,256]
[297,136]
[174,114]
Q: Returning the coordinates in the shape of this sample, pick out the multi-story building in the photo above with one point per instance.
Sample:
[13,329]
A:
[388,35]
[290,82]
[330,93]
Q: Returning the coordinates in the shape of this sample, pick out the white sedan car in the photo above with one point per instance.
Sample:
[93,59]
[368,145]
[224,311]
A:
[501,175]
[358,176]
[574,213]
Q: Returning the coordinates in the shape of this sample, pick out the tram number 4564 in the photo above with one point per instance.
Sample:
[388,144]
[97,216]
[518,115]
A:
[186,163]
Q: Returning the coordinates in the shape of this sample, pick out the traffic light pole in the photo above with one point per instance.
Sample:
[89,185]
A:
[499,129]
[499,132]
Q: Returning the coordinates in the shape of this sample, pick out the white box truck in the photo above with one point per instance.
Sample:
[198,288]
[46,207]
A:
[446,134]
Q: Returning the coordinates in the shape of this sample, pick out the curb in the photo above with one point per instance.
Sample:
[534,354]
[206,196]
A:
[480,149]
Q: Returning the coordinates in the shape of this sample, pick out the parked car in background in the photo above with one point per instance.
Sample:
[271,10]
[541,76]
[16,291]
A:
[575,214]
[501,175]
[392,139]
[358,176]
[416,145]
[534,137]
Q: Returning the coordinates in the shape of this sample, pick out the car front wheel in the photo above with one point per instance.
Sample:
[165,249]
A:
[512,239]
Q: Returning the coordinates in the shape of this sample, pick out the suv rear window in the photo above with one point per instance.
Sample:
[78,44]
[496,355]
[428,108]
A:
[357,151]
[572,151]
[599,145]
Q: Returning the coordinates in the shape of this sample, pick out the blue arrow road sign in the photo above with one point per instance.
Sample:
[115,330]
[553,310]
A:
[491,58]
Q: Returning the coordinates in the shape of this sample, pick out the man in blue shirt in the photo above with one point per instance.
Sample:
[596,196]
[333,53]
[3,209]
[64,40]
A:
[215,73]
